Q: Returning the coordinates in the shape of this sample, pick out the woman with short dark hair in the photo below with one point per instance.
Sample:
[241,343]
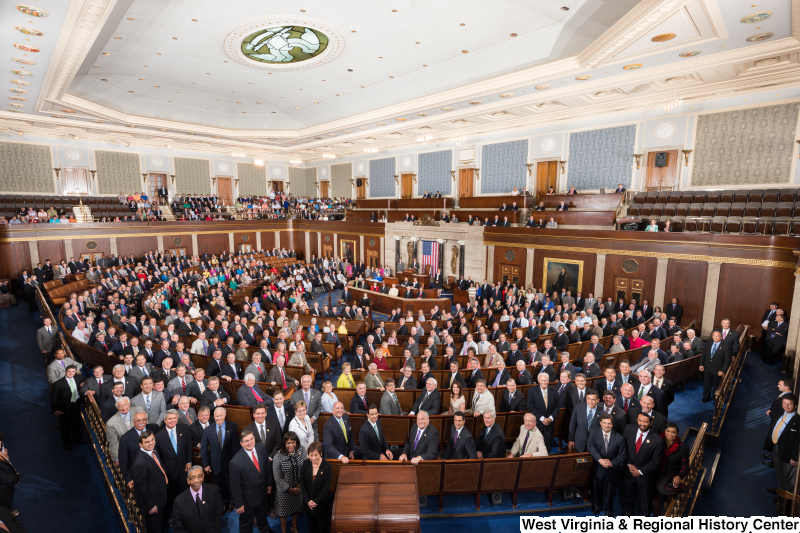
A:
[286,468]
[315,482]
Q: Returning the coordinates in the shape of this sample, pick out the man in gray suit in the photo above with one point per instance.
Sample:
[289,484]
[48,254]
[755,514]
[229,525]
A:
[151,401]
[179,385]
[313,399]
[585,419]
[142,369]
[186,414]
[91,387]
[400,265]
[55,370]
[119,424]
[390,405]
[648,364]
[47,338]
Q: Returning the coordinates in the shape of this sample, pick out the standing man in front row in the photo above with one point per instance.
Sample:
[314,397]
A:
[609,452]
[65,402]
[783,442]
[543,405]
[714,362]
[217,448]
[251,482]
[199,509]
[423,441]
[645,451]
[150,483]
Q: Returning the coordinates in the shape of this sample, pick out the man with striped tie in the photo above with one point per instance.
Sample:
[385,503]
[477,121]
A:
[150,482]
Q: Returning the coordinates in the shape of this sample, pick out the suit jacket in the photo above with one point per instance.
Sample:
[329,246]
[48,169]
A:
[493,445]
[454,377]
[462,447]
[359,406]
[47,341]
[149,482]
[601,385]
[430,403]
[313,406]
[335,442]
[158,407]
[245,396]
[524,378]
[288,411]
[579,430]
[174,463]
[535,443]
[228,371]
[731,340]
[721,360]
[61,394]
[116,429]
[131,388]
[187,419]
[55,372]
[659,421]
[537,408]
[369,443]
[617,453]
[208,397]
[211,453]
[788,442]
[137,373]
[187,518]
[472,377]
[504,377]
[129,450]
[272,432]
[648,459]
[406,383]
[427,447]
[249,484]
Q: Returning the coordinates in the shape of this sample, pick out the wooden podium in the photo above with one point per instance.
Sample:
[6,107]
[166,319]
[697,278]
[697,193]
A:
[376,498]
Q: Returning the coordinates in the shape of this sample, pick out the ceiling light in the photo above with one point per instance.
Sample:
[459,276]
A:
[238,155]
[425,138]
[513,34]
[464,51]
[73,136]
[349,70]
[371,150]
[258,162]
[16,132]
[106,54]
[329,156]
[564,8]
[123,142]
[296,162]
[456,139]
[676,101]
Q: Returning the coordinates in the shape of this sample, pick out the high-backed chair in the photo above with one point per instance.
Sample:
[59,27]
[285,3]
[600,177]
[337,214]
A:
[658,209]
[717,225]
[723,208]
[785,209]
[696,209]
[787,195]
[671,209]
[770,195]
[678,223]
[713,196]
[740,196]
[639,198]
[737,209]
[682,209]
[752,209]
[709,209]
[781,225]
[726,196]
[768,209]
[733,225]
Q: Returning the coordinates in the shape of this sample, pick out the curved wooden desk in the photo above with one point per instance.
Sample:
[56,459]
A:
[385,303]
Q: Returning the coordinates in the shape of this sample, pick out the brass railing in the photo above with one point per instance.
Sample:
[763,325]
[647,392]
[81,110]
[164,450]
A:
[683,504]
[723,396]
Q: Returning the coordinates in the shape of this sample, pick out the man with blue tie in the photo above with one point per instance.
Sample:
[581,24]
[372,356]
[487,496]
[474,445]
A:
[609,450]
[217,448]
[714,362]
[585,419]
[174,446]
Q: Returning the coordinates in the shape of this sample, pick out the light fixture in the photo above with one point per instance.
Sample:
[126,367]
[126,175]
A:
[371,150]
[459,138]
[238,155]
[16,132]
[676,101]
[425,138]
[57,170]
[296,162]
[258,162]
[638,157]
[329,156]
[123,142]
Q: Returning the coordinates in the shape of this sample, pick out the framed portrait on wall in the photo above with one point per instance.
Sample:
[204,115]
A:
[347,250]
[562,273]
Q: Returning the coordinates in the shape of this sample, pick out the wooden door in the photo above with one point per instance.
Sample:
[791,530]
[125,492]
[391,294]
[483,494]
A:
[373,258]
[662,177]
[225,191]
[323,189]
[154,182]
[546,177]
[327,250]
[361,188]
[509,273]
[406,186]
[277,186]
[465,182]
[628,289]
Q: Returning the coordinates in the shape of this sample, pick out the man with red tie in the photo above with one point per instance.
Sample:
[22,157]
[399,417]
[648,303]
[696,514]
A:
[278,374]
[358,405]
[626,401]
[150,482]
[645,451]
[250,475]
[250,394]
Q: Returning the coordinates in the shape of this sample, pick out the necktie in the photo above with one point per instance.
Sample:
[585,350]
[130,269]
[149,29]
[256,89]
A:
[475,400]
[219,436]
[256,395]
[639,442]
[364,400]
[713,349]
[197,501]
[344,430]
[127,420]
[377,432]
[283,378]
[305,394]
[202,387]
[396,403]
[62,364]
[776,433]
[589,418]
[525,444]
[263,434]
[416,441]
[561,389]
[174,440]
[48,331]
[625,406]
[724,334]
[147,403]
[605,437]
[183,385]
[580,396]
[255,460]
[544,394]
[155,458]
[641,393]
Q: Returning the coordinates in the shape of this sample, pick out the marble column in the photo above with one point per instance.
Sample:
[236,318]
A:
[319,244]
[710,302]
[361,248]
[195,247]
[440,263]
[462,260]
[68,249]
[396,254]
[160,243]
[231,244]
[529,266]
[258,241]
[661,282]
[308,246]
[490,264]
[34,248]
[336,246]
[599,275]
[277,240]
[113,243]
[383,255]
[794,323]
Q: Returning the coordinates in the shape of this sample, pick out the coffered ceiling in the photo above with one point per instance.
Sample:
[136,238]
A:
[371,75]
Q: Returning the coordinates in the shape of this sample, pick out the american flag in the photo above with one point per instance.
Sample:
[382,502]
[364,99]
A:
[430,255]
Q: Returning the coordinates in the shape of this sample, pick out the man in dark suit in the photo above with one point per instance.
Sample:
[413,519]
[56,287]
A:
[658,422]
[584,421]
[543,405]
[665,386]
[460,445]
[674,310]
[280,410]
[266,430]
[609,452]
[174,446]
[475,373]
[371,440]
[65,402]
[337,434]
[251,477]
[645,451]
[512,400]
[626,399]
[214,396]
[129,443]
[150,483]
[217,448]
[199,509]
[423,441]
[491,441]
[609,407]
[199,426]
[714,362]
[783,441]
[609,383]
[776,334]
[730,337]
[118,374]
[428,400]
[407,381]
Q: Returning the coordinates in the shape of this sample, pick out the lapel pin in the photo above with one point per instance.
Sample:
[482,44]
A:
[647,441]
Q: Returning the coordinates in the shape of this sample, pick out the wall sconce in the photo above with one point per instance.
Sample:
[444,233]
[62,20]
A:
[57,171]
[352,182]
[638,157]
[798,154]
[453,173]
[530,172]
[214,180]
[236,182]
[562,165]
[144,177]
[414,177]
[478,173]
[686,157]
[396,181]
[94,172]
[173,178]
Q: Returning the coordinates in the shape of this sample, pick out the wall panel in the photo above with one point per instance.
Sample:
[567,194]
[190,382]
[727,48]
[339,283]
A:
[686,281]
[434,172]
[136,246]
[745,292]
[179,241]
[16,258]
[26,168]
[589,262]
[646,271]
[267,240]
[117,172]
[289,239]
[504,167]
[381,178]
[340,180]
[53,250]
[79,247]
[312,241]
[240,238]
[252,179]
[601,158]
[215,243]
[192,176]
[356,248]
[509,256]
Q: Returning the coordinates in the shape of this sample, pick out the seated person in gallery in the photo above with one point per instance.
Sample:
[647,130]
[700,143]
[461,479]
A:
[653,226]
[437,195]
[620,189]
[551,191]
[540,207]
[552,223]
[572,190]
[562,207]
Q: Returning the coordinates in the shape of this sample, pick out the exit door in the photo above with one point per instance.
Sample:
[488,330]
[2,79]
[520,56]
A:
[628,289]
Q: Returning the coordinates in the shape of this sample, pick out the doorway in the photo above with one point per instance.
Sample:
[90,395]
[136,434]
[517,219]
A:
[361,188]
[225,191]
[155,182]
[628,289]
[76,182]
[277,186]
[509,273]
[406,186]
[373,258]
[465,182]
[662,177]
[546,177]
[323,188]
[327,250]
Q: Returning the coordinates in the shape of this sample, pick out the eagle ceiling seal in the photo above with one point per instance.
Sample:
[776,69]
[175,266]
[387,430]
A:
[270,50]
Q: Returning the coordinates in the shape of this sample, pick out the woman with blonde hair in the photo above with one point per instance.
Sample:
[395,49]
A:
[328,397]
[301,424]
[346,380]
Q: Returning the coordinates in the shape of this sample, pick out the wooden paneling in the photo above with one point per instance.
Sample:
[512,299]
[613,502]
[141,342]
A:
[300,244]
[662,176]
[376,204]
[584,201]
[546,176]
[686,281]
[425,203]
[184,242]
[288,239]
[314,249]
[745,292]
[244,237]
[646,271]
[406,186]
[398,216]
[539,256]
[136,246]
[215,243]
[516,257]
[466,182]
[103,246]
[16,258]
[267,240]
[577,218]
[495,202]
[53,250]
[372,247]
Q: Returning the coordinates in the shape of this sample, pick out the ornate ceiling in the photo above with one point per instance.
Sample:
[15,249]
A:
[318,77]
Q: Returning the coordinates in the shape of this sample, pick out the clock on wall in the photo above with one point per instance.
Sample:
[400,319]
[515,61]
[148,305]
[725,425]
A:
[74,155]
[157,162]
[223,167]
[548,145]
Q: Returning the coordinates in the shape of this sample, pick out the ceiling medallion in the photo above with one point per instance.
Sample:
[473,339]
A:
[475,102]
[21,82]
[541,87]
[283,43]
[32,11]
[381,123]
[18,98]
[664,37]
[29,31]
[767,62]
[24,61]
[400,119]
[690,53]
[447,109]
[22,73]
[16,105]
[18,91]
[632,66]
[584,77]
[68,111]
[25,47]
[422,114]
[506,95]
[15,110]
[757,17]
[760,37]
